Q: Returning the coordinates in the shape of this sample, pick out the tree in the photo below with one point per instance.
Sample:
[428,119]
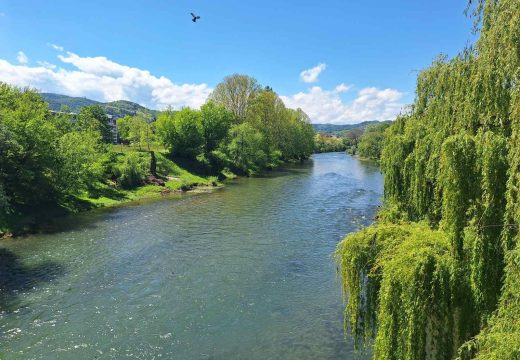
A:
[245,148]
[438,275]
[123,128]
[181,132]
[371,142]
[140,130]
[216,121]
[82,154]
[267,113]
[93,118]
[30,161]
[235,93]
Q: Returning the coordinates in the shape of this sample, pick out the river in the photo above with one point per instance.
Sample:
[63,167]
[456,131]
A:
[244,272]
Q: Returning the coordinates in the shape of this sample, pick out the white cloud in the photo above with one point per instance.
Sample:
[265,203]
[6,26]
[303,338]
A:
[311,75]
[101,79]
[46,64]
[326,106]
[341,88]
[22,58]
[56,47]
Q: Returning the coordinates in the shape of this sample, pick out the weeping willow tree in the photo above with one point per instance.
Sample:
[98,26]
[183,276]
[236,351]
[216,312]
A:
[438,275]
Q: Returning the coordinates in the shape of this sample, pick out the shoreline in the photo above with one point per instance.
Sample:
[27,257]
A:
[134,196]
[174,187]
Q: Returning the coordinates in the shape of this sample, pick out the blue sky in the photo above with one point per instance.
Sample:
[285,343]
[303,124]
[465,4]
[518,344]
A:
[363,56]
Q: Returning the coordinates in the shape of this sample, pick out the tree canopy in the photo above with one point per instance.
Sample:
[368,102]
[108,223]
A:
[437,276]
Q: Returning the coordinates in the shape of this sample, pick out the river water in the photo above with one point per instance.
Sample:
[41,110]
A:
[244,272]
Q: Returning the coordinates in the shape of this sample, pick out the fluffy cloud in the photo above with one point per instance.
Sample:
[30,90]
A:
[101,79]
[327,106]
[22,58]
[311,75]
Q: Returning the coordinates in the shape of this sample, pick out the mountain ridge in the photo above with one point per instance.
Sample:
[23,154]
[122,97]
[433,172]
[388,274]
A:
[121,108]
[118,108]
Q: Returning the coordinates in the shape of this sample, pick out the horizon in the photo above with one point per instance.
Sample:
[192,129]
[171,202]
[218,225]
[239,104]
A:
[100,102]
[336,71]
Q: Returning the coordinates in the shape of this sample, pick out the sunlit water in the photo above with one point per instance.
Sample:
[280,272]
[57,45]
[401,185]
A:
[245,272]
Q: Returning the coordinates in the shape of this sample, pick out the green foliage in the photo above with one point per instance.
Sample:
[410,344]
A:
[29,156]
[453,163]
[298,143]
[83,160]
[342,130]
[486,254]
[397,279]
[245,149]
[459,184]
[328,143]
[136,130]
[501,339]
[182,132]
[241,127]
[235,94]
[123,128]
[131,169]
[93,118]
[371,143]
[216,121]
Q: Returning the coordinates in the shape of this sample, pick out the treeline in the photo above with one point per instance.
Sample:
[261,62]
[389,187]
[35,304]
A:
[243,128]
[58,160]
[366,143]
[438,275]
[329,143]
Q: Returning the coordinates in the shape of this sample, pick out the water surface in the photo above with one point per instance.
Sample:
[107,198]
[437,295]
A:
[245,272]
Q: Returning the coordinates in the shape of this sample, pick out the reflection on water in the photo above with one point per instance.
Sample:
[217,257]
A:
[242,273]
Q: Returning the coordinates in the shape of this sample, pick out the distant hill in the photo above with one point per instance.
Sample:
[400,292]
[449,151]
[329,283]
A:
[117,108]
[338,129]
[74,104]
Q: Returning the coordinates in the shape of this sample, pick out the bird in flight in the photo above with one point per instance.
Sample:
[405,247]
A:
[195,17]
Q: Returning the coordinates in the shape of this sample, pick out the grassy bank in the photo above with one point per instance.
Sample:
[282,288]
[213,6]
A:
[174,178]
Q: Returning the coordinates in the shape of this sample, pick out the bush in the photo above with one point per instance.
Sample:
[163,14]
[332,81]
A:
[131,170]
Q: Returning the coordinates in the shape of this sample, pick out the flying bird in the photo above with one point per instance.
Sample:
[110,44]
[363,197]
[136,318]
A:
[195,17]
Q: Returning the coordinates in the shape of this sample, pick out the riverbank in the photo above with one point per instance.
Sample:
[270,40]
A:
[177,176]
[174,179]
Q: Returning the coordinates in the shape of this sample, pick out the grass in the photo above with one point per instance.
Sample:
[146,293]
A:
[177,178]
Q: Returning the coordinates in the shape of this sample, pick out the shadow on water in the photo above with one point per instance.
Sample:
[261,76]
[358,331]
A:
[15,277]
[287,169]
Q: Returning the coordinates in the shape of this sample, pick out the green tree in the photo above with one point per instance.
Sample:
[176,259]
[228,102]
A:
[83,154]
[140,131]
[123,128]
[371,142]
[181,132]
[245,148]
[216,122]
[93,118]
[451,168]
[235,94]
[30,162]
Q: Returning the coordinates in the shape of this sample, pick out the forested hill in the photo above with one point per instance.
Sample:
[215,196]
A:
[118,108]
[338,129]
[438,275]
